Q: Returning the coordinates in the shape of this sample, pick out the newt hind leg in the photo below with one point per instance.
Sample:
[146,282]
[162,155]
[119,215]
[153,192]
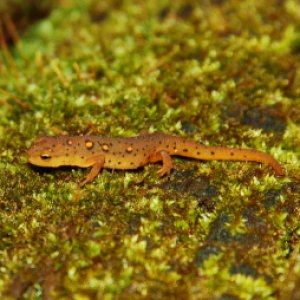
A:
[167,164]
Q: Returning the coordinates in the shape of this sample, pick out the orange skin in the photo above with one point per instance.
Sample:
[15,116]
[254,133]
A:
[131,153]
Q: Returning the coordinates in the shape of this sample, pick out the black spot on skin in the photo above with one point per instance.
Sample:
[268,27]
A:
[82,157]
[185,150]
[93,152]
[160,142]
[67,154]
[132,163]
[119,162]
[109,160]
[212,153]
[167,146]
[198,153]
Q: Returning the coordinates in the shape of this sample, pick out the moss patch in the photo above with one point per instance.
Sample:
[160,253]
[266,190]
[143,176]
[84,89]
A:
[220,72]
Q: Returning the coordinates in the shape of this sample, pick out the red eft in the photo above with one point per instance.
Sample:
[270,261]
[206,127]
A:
[130,153]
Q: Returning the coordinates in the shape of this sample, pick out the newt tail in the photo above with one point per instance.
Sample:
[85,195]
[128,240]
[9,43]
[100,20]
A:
[202,152]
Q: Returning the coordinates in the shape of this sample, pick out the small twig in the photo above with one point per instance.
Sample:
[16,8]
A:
[5,49]
[59,74]
[12,30]
[14,98]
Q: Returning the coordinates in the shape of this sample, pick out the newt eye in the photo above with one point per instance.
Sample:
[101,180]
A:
[45,156]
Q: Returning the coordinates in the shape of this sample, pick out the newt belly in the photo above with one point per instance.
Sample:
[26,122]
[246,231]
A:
[130,153]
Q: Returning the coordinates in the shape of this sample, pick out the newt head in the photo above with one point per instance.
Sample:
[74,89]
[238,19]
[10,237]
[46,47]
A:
[46,152]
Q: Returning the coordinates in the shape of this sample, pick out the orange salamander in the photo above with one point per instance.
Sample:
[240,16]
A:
[130,153]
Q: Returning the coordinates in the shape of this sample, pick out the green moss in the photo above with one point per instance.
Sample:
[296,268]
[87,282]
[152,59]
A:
[220,72]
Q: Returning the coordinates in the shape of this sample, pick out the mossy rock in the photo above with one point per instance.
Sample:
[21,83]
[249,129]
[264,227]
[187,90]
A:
[220,72]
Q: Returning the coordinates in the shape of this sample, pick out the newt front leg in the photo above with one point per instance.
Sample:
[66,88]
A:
[96,168]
